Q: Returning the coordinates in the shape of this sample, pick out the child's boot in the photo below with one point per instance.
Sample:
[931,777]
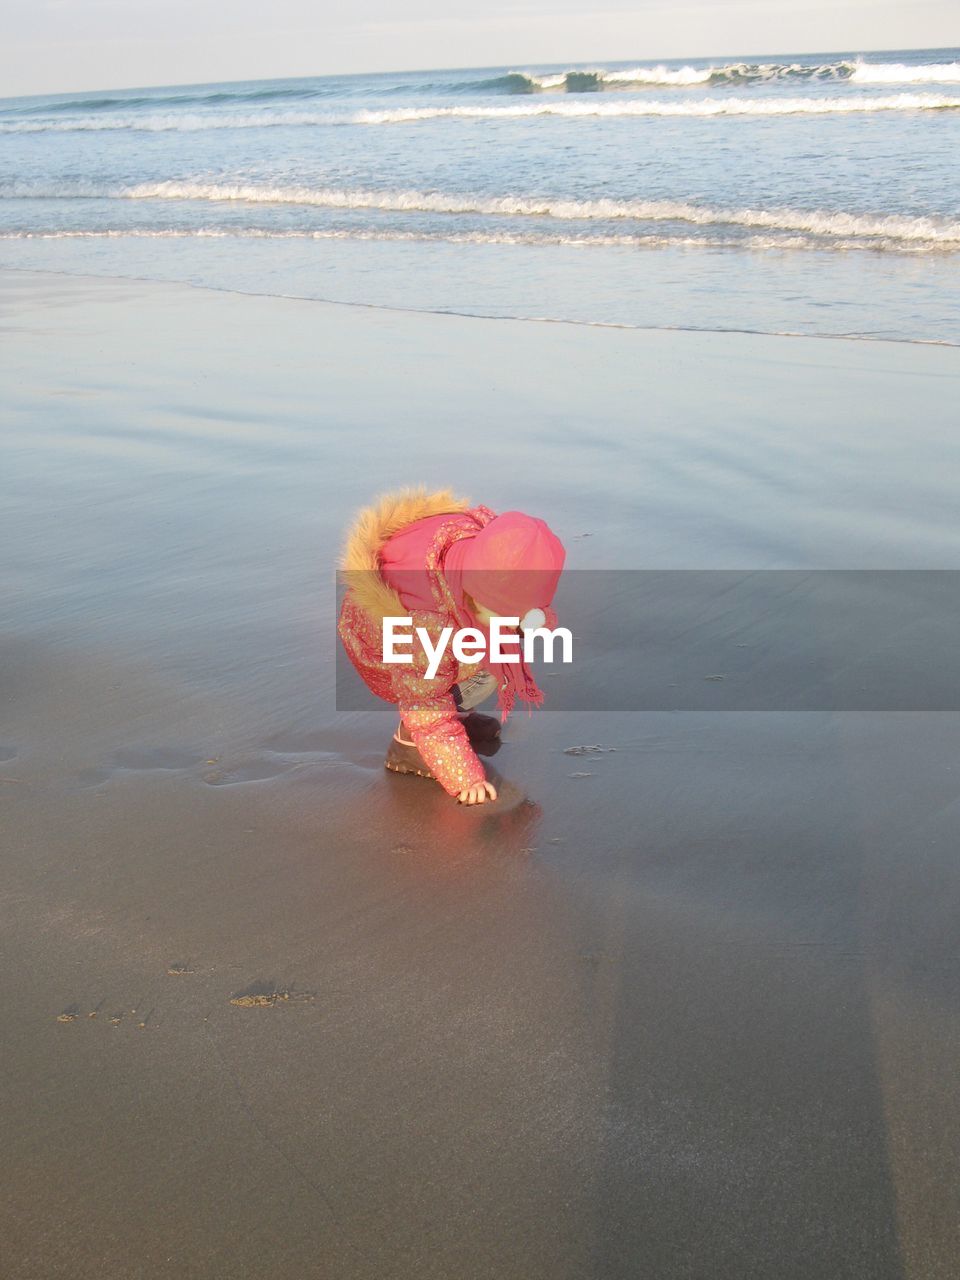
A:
[403,757]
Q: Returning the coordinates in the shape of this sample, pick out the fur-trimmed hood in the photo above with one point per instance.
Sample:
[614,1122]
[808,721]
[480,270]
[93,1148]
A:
[372,527]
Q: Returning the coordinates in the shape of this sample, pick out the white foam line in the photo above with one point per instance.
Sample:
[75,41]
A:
[567,108]
[639,240]
[701,107]
[813,222]
[903,73]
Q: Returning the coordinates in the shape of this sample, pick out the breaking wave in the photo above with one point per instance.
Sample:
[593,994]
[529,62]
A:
[677,107]
[593,80]
[577,109]
[590,81]
[903,73]
[731,73]
[569,80]
[585,80]
[893,228]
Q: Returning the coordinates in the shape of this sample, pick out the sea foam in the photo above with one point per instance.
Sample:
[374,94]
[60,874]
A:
[942,231]
[586,80]
[574,109]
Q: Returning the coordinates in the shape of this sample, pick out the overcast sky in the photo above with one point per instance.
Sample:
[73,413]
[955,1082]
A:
[52,46]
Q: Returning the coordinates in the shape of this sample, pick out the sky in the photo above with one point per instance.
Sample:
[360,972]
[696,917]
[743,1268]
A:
[60,46]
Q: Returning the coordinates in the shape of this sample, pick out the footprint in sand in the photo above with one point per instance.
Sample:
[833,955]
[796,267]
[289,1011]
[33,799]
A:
[269,994]
[73,1013]
[259,994]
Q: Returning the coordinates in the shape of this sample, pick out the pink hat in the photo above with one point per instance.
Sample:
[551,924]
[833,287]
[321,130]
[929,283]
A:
[512,567]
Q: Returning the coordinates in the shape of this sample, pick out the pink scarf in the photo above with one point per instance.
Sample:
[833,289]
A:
[514,679]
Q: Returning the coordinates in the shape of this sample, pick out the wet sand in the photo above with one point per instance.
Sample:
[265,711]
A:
[687,1008]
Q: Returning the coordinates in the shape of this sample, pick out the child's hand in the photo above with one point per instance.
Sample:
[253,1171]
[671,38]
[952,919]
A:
[479,794]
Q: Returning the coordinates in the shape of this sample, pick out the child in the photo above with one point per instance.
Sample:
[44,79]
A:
[434,559]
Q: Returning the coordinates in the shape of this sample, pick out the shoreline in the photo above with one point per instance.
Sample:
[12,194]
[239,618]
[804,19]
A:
[472,315]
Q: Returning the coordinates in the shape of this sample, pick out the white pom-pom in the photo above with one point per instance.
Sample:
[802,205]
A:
[532,619]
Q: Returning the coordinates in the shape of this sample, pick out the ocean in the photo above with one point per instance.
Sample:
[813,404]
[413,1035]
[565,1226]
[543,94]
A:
[814,194]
